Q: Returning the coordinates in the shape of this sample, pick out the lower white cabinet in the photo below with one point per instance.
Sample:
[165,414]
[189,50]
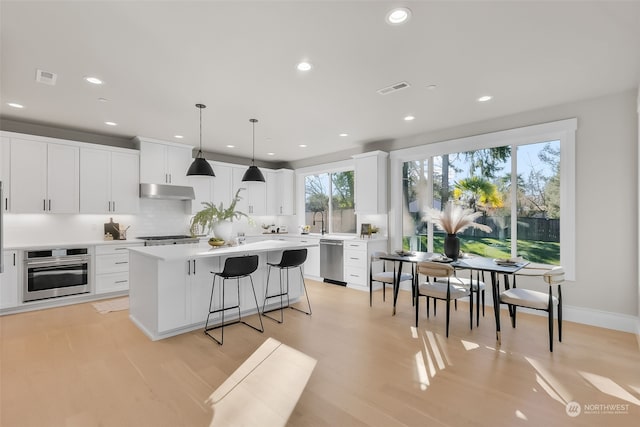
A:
[357,254]
[312,265]
[112,267]
[9,280]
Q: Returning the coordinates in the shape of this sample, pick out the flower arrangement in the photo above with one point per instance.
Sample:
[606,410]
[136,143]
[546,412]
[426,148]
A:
[204,220]
[454,219]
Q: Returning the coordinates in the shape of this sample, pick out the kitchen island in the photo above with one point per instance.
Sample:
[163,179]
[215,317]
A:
[170,286]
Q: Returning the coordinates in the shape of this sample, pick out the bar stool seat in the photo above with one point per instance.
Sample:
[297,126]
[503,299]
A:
[234,268]
[291,258]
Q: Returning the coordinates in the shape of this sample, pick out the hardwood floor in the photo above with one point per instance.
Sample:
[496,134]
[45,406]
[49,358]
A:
[72,366]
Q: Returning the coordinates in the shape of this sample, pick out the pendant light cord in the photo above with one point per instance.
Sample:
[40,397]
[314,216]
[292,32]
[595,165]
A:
[253,151]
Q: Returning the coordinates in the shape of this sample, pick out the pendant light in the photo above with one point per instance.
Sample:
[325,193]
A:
[253,173]
[200,166]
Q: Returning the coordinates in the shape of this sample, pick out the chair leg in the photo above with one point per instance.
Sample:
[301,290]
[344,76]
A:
[255,298]
[428,307]
[267,297]
[417,309]
[448,314]
[512,314]
[559,314]
[550,328]
[483,303]
[304,286]
[207,329]
[370,292]
[471,310]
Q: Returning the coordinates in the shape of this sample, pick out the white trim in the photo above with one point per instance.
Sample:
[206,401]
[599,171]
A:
[563,130]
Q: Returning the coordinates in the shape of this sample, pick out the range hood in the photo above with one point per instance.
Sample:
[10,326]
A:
[166,192]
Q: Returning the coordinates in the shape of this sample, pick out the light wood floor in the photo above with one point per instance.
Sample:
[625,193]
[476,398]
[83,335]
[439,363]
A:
[72,366]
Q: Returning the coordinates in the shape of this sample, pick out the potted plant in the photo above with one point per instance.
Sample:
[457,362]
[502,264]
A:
[452,220]
[217,219]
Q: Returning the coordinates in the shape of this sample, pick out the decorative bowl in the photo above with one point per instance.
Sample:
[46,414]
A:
[216,243]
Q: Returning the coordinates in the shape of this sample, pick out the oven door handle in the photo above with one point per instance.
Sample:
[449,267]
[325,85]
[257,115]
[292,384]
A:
[62,262]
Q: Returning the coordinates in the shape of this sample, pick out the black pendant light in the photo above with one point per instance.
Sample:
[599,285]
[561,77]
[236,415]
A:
[200,166]
[253,173]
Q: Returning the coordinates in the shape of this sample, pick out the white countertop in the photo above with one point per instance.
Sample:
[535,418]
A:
[203,250]
[61,244]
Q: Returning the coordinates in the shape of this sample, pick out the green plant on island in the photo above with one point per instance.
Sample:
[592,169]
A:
[204,221]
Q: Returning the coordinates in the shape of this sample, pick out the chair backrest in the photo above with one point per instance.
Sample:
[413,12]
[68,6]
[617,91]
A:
[435,269]
[555,276]
[240,266]
[293,258]
[376,255]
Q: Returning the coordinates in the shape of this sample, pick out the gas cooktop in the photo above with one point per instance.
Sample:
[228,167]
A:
[168,240]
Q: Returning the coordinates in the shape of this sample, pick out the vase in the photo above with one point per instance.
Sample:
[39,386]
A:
[223,230]
[452,246]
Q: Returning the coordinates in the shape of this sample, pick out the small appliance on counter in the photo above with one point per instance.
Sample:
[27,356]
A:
[115,231]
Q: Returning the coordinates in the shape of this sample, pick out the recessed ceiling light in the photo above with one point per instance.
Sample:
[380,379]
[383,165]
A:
[15,105]
[398,16]
[231,146]
[93,80]
[111,123]
[485,98]
[302,145]
[103,100]
[344,134]
[271,154]
[409,118]
[303,66]
[178,136]
[431,87]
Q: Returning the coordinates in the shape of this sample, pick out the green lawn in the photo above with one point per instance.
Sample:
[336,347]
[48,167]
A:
[533,251]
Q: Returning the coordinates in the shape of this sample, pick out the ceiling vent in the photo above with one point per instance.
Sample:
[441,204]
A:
[46,77]
[393,88]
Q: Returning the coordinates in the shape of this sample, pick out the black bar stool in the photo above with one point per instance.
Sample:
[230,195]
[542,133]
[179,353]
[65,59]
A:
[291,258]
[234,268]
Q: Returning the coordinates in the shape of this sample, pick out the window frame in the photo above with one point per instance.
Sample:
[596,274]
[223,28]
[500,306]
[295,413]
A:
[562,130]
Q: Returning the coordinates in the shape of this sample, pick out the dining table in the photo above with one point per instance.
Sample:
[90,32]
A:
[494,267]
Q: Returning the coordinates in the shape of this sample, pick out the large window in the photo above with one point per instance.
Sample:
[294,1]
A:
[515,178]
[329,202]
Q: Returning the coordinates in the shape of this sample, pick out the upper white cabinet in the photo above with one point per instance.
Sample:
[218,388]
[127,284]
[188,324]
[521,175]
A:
[44,177]
[371,182]
[280,192]
[215,190]
[109,180]
[5,171]
[254,199]
[163,162]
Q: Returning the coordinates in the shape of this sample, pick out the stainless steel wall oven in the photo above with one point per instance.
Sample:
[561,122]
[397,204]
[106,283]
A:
[54,273]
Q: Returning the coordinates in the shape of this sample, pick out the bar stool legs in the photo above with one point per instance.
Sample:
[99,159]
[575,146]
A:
[290,259]
[235,268]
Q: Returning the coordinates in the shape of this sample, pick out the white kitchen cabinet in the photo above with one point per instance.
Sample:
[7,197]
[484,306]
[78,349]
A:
[371,183]
[112,267]
[163,162]
[254,198]
[212,189]
[5,171]
[280,192]
[9,280]
[312,264]
[109,181]
[357,254]
[45,177]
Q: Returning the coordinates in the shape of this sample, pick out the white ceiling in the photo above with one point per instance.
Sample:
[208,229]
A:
[158,59]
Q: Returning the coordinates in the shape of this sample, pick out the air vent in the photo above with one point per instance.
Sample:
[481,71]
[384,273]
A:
[393,88]
[46,77]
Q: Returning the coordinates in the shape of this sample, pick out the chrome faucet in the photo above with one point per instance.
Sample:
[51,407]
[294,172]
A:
[322,230]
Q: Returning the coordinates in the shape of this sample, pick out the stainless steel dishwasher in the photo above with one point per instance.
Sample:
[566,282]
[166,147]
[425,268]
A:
[331,262]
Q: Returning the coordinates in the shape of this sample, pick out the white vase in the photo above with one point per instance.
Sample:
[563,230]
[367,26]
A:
[223,230]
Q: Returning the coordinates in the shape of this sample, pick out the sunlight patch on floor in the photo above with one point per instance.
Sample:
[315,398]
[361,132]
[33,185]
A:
[421,369]
[468,345]
[610,387]
[520,415]
[434,348]
[550,383]
[414,332]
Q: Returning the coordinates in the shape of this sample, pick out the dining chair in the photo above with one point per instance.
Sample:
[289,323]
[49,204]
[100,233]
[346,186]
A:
[439,286]
[476,286]
[519,297]
[382,275]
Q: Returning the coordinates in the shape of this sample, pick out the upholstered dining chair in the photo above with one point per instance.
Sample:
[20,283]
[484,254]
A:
[537,300]
[476,286]
[440,286]
[383,276]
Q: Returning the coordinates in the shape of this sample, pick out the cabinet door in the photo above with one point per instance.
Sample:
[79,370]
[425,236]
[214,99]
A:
[243,204]
[153,169]
[28,176]
[273,193]
[95,182]
[5,172]
[63,179]
[222,185]
[9,280]
[257,197]
[201,282]
[286,185]
[125,184]
[173,296]
[178,161]
[312,264]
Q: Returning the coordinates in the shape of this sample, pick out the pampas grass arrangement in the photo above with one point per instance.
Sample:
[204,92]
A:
[454,219]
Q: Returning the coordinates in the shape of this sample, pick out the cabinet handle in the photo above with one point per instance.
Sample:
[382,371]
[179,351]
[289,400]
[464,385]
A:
[14,259]
[6,203]
[114,205]
[166,178]
[122,262]
[44,204]
[121,281]
[49,204]
[109,206]
[194,266]
[120,249]
[169,178]
[188,267]
[354,258]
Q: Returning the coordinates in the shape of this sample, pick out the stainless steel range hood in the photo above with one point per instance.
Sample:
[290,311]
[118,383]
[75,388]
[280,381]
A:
[166,192]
